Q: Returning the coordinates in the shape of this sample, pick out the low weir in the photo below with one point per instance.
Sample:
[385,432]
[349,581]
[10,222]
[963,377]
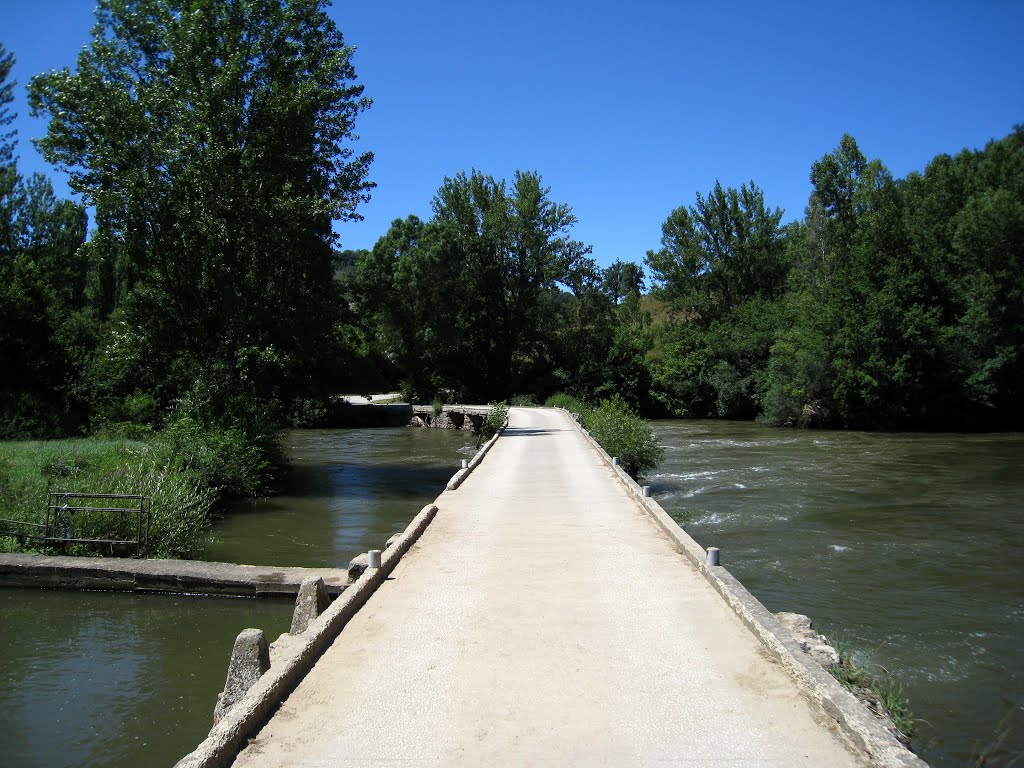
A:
[365,415]
[173,576]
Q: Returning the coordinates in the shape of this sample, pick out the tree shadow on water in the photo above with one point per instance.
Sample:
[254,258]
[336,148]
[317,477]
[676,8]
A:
[361,480]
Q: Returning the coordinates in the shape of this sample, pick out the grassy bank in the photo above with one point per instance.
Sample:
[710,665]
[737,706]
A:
[186,472]
[879,690]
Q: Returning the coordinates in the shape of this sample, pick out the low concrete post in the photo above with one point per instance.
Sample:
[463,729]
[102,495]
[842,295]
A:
[373,558]
[713,553]
[357,565]
[615,461]
[646,491]
[250,658]
[465,463]
[310,603]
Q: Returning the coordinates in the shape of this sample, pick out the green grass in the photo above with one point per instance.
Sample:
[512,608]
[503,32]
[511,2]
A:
[874,686]
[181,501]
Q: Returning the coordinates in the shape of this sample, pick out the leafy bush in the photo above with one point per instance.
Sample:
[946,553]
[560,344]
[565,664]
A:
[569,403]
[523,401]
[309,412]
[617,428]
[495,420]
[407,392]
[232,463]
[437,406]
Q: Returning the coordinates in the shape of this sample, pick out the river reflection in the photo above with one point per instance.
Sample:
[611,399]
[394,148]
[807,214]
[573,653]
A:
[110,679]
[349,491]
[123,680]
[908,546]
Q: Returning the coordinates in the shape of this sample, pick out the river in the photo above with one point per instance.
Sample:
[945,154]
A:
[123,680]
[908,547]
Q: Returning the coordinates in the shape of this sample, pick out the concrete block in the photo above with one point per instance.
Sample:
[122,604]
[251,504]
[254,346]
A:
[310,603]
[250,658]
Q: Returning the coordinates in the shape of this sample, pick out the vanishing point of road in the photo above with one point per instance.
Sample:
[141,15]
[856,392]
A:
[544,619]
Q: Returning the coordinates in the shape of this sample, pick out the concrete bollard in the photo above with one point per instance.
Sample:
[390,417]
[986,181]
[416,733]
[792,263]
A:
[713,553]
[373,559]
[250,658]
[310,603]
[465,463]
[615,461]
[646,491]
[356,566]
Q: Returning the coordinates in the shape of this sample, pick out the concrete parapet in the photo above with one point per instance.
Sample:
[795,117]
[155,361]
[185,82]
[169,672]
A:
[250,659]
[311,602]
[297,657]
[865,731]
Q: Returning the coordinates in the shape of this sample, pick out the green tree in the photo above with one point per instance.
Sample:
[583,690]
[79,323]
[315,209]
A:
[722,267]
[406,287]
[720,252]
[6,115]
[622,279]
[43,339]
[512,246]
[213,139]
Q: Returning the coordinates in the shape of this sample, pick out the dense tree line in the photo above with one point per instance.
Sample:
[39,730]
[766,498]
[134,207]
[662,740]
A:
[492,298]
[212,143]
[892,304]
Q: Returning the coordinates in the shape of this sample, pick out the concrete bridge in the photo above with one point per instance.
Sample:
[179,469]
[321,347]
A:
[548,615]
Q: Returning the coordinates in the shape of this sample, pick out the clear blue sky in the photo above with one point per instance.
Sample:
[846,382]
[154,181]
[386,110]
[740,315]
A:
[628,109]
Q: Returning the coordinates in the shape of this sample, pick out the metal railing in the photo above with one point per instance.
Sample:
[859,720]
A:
[112,522]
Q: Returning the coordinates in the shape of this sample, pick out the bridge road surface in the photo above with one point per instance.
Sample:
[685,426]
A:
[544,619]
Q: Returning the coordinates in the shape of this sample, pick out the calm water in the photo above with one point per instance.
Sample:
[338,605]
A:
[910,547]
[351,489]
[123,680]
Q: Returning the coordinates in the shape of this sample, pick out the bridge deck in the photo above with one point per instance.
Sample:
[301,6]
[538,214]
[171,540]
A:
[543,619]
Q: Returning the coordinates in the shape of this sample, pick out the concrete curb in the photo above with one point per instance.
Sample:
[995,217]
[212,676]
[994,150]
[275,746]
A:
[864,730]
[462,474]
[226,738]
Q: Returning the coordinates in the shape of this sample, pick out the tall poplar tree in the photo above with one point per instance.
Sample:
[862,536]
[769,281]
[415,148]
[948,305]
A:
[213,138]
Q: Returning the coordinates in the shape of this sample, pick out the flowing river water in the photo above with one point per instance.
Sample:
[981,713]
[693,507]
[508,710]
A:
[907,547]
[125,680]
